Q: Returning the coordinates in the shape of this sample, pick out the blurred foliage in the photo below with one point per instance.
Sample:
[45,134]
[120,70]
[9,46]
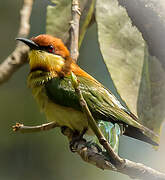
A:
[151,99]
[148,16]
[46,155]
[136,74]
[122,47]
[59,18]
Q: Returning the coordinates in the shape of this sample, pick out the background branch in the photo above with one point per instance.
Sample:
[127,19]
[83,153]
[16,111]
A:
[74,31]
[19,56]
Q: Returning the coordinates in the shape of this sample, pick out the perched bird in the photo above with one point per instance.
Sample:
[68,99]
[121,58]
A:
[51,84]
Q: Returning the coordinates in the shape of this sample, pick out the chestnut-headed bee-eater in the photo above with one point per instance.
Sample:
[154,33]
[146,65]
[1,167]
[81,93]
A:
[51,84]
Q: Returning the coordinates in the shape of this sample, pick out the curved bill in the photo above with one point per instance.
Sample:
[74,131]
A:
[29,43]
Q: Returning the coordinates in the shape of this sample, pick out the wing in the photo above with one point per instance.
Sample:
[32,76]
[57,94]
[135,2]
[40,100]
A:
[101,102]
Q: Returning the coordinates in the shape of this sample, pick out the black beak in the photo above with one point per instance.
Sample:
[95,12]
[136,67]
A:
[28,42]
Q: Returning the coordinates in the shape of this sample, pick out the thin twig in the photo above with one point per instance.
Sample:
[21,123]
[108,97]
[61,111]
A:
[132,169]
[19,56]
[74,31]
[89,154]
[115,159]
[30,129]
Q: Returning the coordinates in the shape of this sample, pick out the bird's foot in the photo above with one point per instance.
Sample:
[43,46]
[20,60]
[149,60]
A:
[75,142]
[76,139]
[94,146]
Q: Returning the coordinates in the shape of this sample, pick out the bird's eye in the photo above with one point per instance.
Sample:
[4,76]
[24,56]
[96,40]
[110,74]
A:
[50,49]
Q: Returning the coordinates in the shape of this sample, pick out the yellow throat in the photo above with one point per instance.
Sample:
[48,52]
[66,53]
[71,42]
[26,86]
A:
[45,61]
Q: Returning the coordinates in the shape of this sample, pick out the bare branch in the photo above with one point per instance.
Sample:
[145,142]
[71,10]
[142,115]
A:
[132,169]
[89,154]
[30,129]
[25,17]
[140,171]
[74,32]
[19,56]
[115,159]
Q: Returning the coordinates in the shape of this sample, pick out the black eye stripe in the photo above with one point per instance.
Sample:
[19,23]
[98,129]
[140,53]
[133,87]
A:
[49,49]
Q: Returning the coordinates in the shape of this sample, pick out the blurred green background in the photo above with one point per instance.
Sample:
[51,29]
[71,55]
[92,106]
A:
[46,156]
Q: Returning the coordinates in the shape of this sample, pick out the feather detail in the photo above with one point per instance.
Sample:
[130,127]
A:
[79,72]
[102,104]
[41,60]
[47,40]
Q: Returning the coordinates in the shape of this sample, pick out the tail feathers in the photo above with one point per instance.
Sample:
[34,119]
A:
[143,134]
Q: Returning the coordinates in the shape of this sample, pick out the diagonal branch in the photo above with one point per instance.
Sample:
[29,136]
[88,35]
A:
[19,56]
[132,169]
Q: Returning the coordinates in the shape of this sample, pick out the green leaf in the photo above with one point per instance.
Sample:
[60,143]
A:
[122,47]
[151,100]
[138,77]
[59,18]
[88,11]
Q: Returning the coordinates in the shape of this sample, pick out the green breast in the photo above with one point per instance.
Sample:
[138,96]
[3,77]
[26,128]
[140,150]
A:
[102,104]
[61,91]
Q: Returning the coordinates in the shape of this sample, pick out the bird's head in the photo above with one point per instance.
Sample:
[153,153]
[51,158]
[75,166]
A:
[47,53]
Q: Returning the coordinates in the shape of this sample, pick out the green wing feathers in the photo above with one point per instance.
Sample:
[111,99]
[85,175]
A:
[102,104]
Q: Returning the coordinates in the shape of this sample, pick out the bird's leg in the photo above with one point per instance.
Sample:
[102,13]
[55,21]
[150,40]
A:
[29,129]
[76,138]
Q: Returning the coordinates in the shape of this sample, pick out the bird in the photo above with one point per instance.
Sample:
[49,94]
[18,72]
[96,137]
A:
[50,80]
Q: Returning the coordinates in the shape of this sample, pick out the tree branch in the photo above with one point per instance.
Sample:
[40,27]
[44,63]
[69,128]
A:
[140,171]
[19,56]
[74,31]
[132,169]
[115,159]
[30,129]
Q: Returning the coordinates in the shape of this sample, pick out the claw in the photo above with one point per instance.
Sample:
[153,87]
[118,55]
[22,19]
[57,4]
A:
[75,139]
[74,143]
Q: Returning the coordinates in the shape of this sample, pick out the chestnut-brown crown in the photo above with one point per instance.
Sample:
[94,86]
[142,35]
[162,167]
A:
[45,40]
